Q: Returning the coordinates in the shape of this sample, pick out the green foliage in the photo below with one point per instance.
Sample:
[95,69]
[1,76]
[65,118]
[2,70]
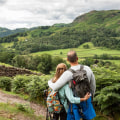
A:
[7,32]
[97,27]
[87,61]
[19,83]
[21,107]
[32,85]
[106,57]
[9,39]
[56,60]
[12,111]
[36,86]
[25,108]
[45,64]
[108,90]
[86,46]
[5,83]
[6,57]
[70,38]
[22,61]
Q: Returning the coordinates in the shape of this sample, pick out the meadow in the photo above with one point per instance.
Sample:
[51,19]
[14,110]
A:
[83,52]
[7,45]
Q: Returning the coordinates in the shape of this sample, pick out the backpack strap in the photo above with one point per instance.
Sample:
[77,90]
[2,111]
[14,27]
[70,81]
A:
[71,108]
[81,67]
[48,115]
[71,70]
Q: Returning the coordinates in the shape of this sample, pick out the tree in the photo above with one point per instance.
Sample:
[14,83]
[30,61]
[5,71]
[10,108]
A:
[55,61]
[45,64]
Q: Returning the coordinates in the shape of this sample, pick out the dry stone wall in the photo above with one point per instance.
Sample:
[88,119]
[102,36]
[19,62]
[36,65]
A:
[13,71]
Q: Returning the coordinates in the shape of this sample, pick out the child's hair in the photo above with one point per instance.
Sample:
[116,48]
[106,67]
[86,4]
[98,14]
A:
[60,69]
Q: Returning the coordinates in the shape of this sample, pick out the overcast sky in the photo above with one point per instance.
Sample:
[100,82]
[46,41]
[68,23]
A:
[32,13]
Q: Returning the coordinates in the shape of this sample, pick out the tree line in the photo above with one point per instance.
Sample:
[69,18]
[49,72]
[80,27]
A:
[70,38]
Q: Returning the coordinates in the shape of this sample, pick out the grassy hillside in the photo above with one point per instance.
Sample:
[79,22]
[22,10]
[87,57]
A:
[83,52]
[108,19]
[99,27]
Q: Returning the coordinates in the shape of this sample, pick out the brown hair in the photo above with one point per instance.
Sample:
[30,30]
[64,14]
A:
[72,56]
[60,69]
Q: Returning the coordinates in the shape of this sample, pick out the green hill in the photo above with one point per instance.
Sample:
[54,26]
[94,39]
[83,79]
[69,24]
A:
[108,19]
[5,32]
[99,27]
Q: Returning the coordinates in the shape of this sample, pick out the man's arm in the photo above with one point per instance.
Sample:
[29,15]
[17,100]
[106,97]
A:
[69,95]
[65,77]
[93,83]
[91,78]
[72,99]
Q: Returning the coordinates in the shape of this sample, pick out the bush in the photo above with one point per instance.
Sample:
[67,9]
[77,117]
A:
[5,83]
[86,46]
[107,90]
[45,64]
[88,61]
[6,57]
[19,83]
[32,85]
[21,61]
[56,60]
[36,86]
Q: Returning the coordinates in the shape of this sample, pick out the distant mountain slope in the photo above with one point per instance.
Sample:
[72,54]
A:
[108,19]
[102,28]
[5,32]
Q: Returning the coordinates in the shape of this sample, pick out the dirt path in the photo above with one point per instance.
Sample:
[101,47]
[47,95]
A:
[39,109]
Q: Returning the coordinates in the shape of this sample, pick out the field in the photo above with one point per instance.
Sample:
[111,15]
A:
[82,52]
[7,45]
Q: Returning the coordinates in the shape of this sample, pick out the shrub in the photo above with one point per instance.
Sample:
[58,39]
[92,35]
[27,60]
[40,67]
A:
[19,83]
[21,61]
[25,108]
[5,83]
[46,63]
[107,90]
[6,57]
[86,46]
[88,61]
[36,86]
[55,61]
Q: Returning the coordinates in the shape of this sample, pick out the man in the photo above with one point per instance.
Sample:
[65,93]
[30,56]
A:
[67,75]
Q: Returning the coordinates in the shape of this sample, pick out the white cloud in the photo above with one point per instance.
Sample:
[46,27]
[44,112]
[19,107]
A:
[21,13]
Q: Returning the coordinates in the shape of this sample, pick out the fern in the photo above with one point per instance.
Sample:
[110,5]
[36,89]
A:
[107,90]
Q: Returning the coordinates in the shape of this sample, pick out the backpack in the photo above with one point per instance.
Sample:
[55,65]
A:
[53,103]
[80,83]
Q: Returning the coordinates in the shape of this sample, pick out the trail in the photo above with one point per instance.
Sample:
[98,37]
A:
[38,109]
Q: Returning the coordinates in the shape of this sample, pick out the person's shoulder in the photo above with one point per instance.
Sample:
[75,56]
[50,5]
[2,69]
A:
[67,72]
[87,68]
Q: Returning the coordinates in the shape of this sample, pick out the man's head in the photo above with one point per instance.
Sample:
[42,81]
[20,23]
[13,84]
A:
[72,56]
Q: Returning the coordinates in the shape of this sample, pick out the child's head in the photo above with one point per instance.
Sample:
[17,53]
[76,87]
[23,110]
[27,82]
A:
[59,71]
